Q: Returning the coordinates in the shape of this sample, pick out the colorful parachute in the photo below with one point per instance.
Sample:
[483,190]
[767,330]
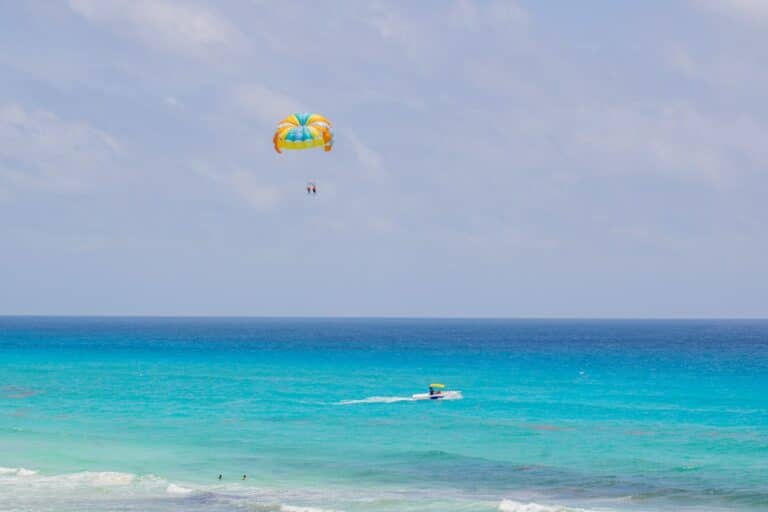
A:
[303,131]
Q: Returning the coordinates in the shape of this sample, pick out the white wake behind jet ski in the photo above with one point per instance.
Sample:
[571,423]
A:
[436,392]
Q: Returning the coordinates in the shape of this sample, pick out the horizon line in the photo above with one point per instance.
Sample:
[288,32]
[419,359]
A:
[385,317]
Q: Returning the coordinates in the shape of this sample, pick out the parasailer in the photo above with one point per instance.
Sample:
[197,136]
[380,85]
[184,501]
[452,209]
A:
[304,131]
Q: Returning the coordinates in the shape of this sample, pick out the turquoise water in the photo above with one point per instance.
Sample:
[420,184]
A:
[144,414]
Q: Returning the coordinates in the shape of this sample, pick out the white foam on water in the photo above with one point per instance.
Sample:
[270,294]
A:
[27,490]
[452,395]
[447,395]
[31,479]
[178,490]
[291,508]
[98,478]
[17,472]
[378,400]
[517,506]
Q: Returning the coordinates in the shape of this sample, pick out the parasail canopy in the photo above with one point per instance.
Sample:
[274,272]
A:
[303,131]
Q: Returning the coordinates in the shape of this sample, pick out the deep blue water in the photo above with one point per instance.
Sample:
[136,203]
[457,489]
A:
[145,413]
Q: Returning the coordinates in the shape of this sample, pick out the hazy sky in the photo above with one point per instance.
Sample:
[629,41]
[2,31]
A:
[492,158]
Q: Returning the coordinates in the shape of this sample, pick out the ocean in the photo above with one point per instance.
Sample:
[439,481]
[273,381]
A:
[144,414]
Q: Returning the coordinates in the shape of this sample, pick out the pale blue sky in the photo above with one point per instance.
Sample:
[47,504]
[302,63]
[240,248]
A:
[494,158]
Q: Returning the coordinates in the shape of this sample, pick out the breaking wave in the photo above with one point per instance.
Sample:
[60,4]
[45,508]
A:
[178,490]
[291,508]
[517,506]
[24,489]
[16,472]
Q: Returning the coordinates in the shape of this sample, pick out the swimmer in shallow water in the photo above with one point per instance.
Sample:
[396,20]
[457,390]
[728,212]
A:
[219,476]
[245,476]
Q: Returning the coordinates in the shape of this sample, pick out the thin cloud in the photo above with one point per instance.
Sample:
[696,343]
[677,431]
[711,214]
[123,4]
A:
[266,105]
[40,150]
[180,27]
[477,15]
[680,60]
[370,160]
[749,11]
[244,185]
[250,189]
[675,139]
[467,132]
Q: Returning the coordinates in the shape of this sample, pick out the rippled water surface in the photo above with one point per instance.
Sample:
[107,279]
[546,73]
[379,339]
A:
[144,414]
